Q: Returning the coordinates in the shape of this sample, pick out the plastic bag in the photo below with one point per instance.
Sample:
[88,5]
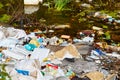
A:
[28,67]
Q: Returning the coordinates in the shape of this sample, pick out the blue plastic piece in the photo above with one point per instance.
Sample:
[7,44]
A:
[40,40]
[23,72]
[42,46]
[30,47]
[99,51]
[1,55]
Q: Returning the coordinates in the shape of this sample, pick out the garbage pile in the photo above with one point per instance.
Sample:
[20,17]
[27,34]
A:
[34,57]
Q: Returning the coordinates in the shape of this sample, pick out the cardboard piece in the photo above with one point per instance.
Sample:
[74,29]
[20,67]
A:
[65,36]
[69,51]
[111,77]
[95,76]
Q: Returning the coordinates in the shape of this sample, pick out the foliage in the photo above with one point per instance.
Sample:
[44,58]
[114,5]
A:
[110,13]
[113,14]
[3,74]
[83,17]
[5,18]
[1,5]
[11,10]
[60,4]
[57,11]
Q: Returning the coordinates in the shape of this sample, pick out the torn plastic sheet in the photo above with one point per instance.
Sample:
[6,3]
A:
[80,66]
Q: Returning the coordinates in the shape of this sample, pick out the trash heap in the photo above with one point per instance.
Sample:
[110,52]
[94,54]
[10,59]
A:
[35,57]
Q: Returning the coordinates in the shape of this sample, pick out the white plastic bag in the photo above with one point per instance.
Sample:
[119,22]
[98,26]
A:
[40,53]
[28,65]
[14,55]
